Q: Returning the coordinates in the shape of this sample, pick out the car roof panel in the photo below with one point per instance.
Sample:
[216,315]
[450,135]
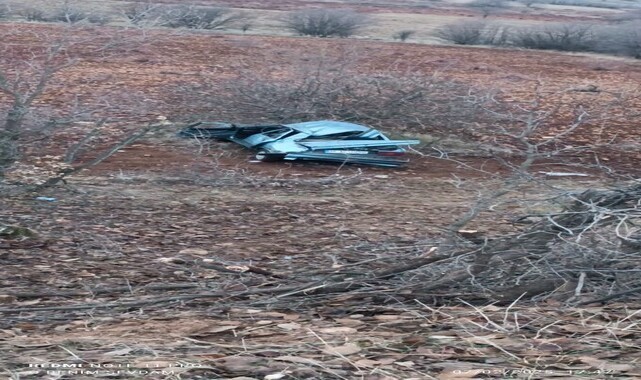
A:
[327,127]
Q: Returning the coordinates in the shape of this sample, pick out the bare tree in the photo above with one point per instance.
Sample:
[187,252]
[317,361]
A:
[325,22]
[193,17]
[27,71]
[69,13]
[23,89]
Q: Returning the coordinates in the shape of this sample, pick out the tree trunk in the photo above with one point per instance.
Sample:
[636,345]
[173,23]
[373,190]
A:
[9,135]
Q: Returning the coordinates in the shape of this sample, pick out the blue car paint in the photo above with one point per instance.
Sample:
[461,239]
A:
[312,140]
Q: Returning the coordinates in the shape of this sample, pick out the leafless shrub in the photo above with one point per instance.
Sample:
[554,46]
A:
[403,35]
[193,17]
[34,14]
[631,41]
[69,13]
[488,7]
[325,22]
[139,13]
[620,39]
[321,88]
[28,126]
[579,250]
[624,39]
[584,3]
[99,19]
[629,15]
[474,33]
[563,37]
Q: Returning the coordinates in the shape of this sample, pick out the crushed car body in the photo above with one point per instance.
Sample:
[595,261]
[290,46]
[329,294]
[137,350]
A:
[325,140]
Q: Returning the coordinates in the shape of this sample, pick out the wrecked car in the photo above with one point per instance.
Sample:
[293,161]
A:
[325,140]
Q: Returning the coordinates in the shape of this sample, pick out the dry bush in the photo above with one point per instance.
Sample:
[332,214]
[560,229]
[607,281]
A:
[69,13]
[27,71]
[629,15]
[584,3]
[488,7]
[583,248]
[563,37]
[34,14]
[325,22]
[401,101]
[630,41]
[620,39]
[403,35]
[193,17]
[474,33]
[99,19]
[623,39]
[140,13]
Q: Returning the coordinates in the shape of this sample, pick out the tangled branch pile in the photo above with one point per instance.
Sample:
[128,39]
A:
[586,253]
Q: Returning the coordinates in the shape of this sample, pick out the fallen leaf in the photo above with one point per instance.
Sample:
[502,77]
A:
[367,363]
[344,350]
[273,314]
[239,363]
[171,260]
[348,321]
[121,352]
[298,359]
[237,268]
[193,251]
[219,329]
[339,330]
[388,317]
[289,326]
[274,376]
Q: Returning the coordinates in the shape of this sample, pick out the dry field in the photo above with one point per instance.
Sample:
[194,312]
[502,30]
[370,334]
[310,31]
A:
[174,259]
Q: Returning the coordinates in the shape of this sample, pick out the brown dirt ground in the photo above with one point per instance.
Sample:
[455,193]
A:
[152,71]
[158,213]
